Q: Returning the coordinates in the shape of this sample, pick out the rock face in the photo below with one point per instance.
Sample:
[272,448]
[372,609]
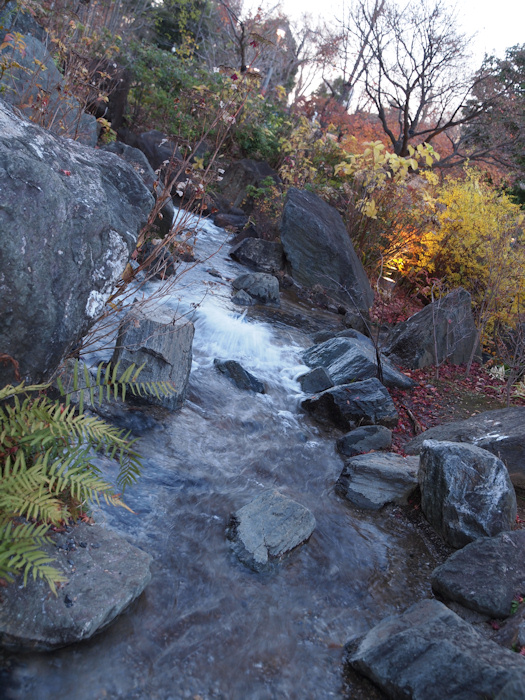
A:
[364,439]
[501,432]
[429,653]
[371,481]
[104,575]
[139,163]
[239,376]
[412,343]
[69,217]
[239,176]
[261,287]
[268,528]
[466,492]
[260,255]
[486,575]
[31,70]
[350,359]
[351,405]
[319,251]
[156,338]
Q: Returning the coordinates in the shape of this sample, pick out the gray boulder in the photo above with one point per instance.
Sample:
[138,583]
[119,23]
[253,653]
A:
[315,380]
[268,528]
[319,250]
[260,255]
[350,359]
[447,323]
[364,439]
[429,653]
[371,481]
[501,432]
[239,376]
[513,690]
[486,575]
[104,575]
[69,218]
[31,74]
[466,492]
[351,405]
[155,337]
[260,286]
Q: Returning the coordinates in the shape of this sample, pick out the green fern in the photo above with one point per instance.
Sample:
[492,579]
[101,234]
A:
[48,473]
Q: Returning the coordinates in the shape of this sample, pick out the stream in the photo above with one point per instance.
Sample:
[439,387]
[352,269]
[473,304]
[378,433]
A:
[206,626]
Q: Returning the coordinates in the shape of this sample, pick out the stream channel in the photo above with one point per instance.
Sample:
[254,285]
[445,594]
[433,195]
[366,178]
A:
[206,626]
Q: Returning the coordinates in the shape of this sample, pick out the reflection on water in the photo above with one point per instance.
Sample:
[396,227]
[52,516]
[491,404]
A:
[206,627]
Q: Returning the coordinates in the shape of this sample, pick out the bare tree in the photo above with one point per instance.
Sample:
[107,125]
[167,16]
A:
[416,73]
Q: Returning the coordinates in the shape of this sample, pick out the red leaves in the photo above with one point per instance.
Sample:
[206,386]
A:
[66,172]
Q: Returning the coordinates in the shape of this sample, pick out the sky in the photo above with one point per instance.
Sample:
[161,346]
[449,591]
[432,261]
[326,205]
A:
[497,25]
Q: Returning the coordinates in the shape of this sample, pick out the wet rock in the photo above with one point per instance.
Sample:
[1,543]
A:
[234,222]
[364,439]
[486,575]
[429,653]
[239,376]
[69,217]
[447,323]
[371,481]
[466,492]
[351,405]
[104,575]
[242,298]
[319,251]
[268,528]
[260,286]
[501,432]
[260,255]
[154,336]
[315,380]
[157,260]
[350,359]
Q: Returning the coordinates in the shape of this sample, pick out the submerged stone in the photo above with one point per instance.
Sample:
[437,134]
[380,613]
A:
[268,528]
[239,376]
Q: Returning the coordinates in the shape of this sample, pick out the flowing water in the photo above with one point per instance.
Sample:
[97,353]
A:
[206,626]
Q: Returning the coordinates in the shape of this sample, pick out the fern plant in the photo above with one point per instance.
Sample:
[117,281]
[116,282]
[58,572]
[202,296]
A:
[48,473]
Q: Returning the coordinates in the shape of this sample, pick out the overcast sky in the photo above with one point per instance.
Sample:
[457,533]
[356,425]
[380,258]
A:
[497,24]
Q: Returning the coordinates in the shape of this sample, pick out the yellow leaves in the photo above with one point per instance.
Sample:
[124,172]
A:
[39,64]
[198,163]
[370,209]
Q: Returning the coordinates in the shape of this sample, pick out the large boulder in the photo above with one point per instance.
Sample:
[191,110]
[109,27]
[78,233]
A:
[447,325]
[268,528]
[319,251]
[466,492]
[501,432]
[351,405]
[33,83]
[69,219]
[372,480]
[486,575]
[155,337]
[261,287]
[104,575]
[429,653]
[258,254]
[351,359]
